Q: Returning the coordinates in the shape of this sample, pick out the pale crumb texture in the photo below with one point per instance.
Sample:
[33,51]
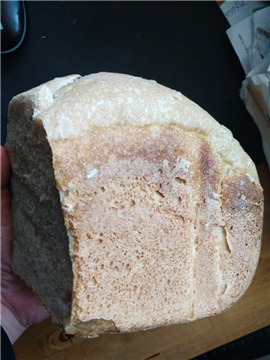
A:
[162,207]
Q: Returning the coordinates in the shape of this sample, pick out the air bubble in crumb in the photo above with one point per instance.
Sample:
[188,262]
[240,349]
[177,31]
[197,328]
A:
[132,203]
[158,195]
[180,180]
[98,241]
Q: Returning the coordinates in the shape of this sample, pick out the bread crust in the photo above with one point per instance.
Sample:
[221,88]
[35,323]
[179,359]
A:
[162,206]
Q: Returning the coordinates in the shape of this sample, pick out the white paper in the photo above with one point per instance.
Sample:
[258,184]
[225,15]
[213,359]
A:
[261,36]
[250,39]
[255,92]
[240,36]
[235,11]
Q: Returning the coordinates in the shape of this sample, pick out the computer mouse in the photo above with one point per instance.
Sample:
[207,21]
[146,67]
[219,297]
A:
[13,25]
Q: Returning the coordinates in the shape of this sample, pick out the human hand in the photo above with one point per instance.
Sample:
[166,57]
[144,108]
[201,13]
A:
[20,307]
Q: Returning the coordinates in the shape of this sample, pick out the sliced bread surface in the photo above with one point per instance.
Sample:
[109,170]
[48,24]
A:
[133,208]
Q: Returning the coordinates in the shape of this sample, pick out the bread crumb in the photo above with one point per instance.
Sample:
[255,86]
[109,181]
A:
[92,173]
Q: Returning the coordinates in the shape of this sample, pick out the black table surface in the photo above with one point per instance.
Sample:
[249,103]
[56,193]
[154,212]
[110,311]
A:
[179,44]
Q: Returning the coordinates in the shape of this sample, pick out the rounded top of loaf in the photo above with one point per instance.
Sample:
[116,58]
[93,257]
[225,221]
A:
[70,106]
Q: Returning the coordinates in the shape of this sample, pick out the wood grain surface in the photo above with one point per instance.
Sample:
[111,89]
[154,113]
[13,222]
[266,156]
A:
[252,312]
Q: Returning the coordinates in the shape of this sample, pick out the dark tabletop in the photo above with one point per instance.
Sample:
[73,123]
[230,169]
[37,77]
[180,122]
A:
[182,45]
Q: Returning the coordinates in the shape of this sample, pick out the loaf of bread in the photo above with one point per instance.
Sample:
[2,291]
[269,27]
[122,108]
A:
[132,207]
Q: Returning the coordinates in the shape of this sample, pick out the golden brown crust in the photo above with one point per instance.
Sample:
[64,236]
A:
[92,328]
[71,106]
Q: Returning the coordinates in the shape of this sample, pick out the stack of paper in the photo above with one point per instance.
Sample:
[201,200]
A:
[250,38]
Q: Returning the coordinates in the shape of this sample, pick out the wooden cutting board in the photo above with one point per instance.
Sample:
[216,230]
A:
[252,312]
